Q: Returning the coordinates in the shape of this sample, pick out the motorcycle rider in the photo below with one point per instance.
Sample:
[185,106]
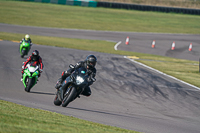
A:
[35,58]
[89,64]
[26,39]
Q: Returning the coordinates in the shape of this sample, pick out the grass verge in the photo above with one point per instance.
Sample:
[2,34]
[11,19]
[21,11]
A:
[76,17]
[17,118]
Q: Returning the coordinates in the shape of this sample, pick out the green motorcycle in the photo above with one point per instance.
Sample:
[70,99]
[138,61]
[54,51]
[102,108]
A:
[30,76]
[24,48]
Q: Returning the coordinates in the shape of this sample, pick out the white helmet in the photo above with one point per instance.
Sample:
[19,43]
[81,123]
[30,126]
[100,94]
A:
[27,37]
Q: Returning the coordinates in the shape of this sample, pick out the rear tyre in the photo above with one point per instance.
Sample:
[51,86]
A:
[70,97]
[57,102]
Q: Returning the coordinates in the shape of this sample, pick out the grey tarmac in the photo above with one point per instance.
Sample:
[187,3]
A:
[125,94]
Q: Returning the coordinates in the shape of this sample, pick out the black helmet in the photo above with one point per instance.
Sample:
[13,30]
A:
[91,60]
[35,55]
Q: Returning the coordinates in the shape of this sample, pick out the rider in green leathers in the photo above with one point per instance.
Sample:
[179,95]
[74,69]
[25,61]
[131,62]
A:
[26,39]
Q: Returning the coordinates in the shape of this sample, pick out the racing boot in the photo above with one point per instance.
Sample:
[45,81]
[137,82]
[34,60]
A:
[21,78]
[58,84]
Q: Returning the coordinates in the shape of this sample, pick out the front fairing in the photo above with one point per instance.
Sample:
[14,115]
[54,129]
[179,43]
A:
[77,79]
[24,46]
[80,77]
[81,81]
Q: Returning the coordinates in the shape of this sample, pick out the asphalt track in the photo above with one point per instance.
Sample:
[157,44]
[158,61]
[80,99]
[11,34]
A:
[125,95]
[138,42]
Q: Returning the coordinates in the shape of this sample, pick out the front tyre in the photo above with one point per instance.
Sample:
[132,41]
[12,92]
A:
[23,53]
[67,99]
[57,102]
[29,84]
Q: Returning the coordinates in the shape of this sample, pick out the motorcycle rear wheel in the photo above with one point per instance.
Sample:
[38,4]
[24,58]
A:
[70,97]
[57,102]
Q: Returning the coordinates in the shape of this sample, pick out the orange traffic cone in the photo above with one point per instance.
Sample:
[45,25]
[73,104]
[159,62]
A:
[190,47]
[153,44]
[127,41]
[173,46]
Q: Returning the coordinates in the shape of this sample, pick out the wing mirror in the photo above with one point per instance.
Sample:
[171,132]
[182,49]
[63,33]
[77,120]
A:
[71,66]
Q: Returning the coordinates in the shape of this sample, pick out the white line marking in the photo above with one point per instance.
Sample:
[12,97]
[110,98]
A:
[115,47]
[162,73]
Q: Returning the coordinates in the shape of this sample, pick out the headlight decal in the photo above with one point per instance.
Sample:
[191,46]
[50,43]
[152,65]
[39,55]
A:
[79,80]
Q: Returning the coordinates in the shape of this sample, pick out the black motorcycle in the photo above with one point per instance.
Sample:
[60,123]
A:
[72,86]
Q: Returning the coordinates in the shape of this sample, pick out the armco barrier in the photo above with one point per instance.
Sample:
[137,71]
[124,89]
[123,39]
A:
[86,3]
[148,8]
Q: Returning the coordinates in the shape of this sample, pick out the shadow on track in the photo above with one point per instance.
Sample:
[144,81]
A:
[106,113]
[42,93]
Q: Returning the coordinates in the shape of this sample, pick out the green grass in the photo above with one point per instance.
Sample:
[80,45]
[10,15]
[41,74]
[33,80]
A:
[76,17]
[16,118]
[189,71]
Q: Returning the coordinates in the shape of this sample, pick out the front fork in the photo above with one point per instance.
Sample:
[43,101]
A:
[26,77]
[62,93]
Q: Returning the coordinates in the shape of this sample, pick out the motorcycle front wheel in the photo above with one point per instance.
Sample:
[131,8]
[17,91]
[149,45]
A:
[23,53]
[68,98]
[29,85]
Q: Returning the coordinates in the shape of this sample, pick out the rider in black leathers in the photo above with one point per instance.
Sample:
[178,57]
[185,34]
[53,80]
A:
[89,64]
